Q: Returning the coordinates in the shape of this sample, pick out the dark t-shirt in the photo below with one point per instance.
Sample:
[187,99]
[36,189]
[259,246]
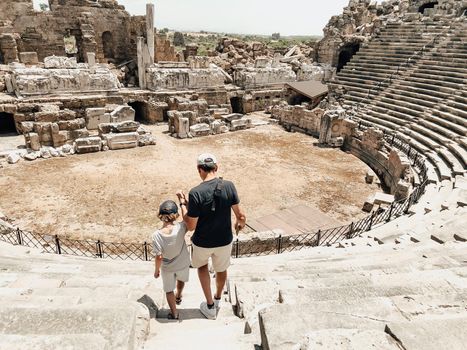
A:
[214,228]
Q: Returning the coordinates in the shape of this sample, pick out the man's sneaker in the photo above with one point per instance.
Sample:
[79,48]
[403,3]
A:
[210,314]
[217,303]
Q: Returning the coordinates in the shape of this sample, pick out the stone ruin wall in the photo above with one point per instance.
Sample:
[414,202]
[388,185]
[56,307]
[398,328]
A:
[362,19]
[44,32]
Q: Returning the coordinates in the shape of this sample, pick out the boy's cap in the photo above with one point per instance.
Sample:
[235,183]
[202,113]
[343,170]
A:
[168,207]
[207,159]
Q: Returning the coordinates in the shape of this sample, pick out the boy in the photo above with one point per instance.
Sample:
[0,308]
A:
[172,257]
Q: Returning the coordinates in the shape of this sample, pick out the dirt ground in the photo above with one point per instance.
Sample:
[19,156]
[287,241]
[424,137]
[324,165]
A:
[114,195]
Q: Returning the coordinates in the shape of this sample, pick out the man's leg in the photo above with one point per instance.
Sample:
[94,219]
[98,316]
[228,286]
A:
[221,277]
[205,280]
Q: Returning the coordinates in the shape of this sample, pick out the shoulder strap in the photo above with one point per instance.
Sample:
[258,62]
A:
[217,193]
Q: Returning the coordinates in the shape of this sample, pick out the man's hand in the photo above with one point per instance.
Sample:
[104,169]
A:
[239,226]
[157,274]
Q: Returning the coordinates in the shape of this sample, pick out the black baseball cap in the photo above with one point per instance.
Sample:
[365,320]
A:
[168,207]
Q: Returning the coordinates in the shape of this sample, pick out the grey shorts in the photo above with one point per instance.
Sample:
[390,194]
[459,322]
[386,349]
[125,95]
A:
[169,279]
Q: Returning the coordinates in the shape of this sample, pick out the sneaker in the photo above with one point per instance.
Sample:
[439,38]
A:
[217,303]
[210,314]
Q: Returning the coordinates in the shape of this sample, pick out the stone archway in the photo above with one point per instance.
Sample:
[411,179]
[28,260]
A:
[7,124]
[346,53]
[428,5]
[108,45]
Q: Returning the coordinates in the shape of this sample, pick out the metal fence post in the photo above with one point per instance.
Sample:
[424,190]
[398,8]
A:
[319,238]
[350,233]
[145,251]
[391,208]
[279,244]
[371,221]
[57,245]
[409,204]
[236,248]
[19,237]
[99,249]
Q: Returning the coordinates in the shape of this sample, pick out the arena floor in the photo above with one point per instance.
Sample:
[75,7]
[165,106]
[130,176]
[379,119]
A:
[114,195]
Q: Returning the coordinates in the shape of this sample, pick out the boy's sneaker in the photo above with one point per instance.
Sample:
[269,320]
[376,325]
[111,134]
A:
[210,314]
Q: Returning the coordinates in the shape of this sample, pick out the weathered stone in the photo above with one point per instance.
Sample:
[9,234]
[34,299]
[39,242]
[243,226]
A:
[34,141]
[122,140]
[201,129]
[369,203]
[5,227]
[121,114]
[79,134]
[88,145]
[369,177]
[13,158]
[239,124]
[96,116]
[146,140]
[28,58]
[383,199]
[231,117]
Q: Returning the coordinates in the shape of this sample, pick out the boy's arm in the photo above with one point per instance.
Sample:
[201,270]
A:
[158,263]
[189,221]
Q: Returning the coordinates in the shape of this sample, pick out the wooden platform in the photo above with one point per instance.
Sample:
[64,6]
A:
[294,221]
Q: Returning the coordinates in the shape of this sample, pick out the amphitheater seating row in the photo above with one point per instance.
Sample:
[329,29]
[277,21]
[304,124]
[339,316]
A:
[382,296]
[426,101]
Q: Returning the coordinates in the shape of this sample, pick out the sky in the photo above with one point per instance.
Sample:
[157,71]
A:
[288,17]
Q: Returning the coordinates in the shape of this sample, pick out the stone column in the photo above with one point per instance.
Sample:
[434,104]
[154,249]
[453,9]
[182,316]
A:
[150,31]
[91,59]
[141,65]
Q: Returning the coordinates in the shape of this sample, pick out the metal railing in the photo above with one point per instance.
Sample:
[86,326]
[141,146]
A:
[240,248]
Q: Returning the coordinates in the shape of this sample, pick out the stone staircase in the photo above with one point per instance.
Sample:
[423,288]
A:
[357,297]
[63,302]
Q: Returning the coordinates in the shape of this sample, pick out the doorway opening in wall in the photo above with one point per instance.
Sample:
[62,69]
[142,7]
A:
[346,53]
[236,103]
[107,45]
[1,57]
[7,124]
[298,99]
[141,111]
[428,5]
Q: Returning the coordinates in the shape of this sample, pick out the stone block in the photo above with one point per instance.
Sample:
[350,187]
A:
[199,130]
[369,177]
[47,116]
[182,127]
[34,141]
[122,113]
[126,126]
[5,227]
[96,116]
[369,203]
[60,138]
[13,158]
[27,127]
[74,124]
[383,199]
[79,134]
[231,117]
[146,140]
[238,124]
[88,145]
[122,140]
[28,58]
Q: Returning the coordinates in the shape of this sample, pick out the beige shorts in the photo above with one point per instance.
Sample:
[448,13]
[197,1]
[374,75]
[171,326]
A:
[169,279]
[220,257]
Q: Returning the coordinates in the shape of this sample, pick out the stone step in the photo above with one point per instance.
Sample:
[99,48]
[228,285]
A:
[123,326]
[454,127]
[88,341]
[441,333]
[434,82]
[438,128]
[415,96]
[440,77]
[420,103]
[461,115]
[421,88]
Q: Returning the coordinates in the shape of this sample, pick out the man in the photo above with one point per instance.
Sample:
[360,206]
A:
[209,214]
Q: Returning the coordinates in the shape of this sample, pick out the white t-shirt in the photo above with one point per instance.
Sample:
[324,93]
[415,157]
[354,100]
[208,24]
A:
[175,255]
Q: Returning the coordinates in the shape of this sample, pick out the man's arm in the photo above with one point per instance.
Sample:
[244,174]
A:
[189,221]
[240,216]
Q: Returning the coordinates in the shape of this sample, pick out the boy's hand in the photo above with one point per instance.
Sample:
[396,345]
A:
[181,195]
[157,274]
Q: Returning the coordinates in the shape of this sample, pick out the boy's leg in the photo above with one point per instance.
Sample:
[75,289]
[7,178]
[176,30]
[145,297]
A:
[171,301]
[180,286]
